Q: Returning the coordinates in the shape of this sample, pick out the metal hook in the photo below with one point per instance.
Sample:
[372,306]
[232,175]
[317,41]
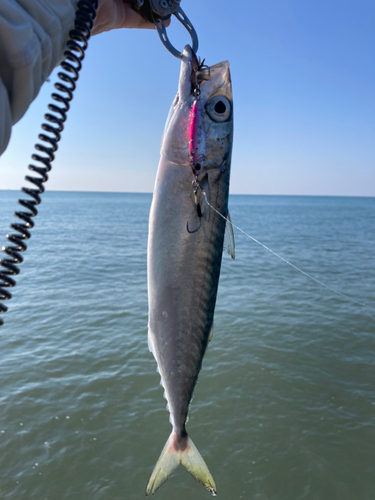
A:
[199,213]
[195,230]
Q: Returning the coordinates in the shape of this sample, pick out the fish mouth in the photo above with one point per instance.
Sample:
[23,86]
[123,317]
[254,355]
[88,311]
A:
[208,72]
[202,72]
[215,79]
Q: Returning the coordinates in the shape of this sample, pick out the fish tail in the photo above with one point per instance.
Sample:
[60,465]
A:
[193,462]
[180,449]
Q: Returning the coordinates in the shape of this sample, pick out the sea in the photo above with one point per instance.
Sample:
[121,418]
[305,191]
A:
[285,404]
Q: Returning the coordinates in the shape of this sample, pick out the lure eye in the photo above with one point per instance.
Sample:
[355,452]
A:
[218,108]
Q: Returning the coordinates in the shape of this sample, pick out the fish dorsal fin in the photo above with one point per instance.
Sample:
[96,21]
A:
[229,237]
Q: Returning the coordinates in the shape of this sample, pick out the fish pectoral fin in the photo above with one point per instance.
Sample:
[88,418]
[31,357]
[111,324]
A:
[229,237]
[176,452]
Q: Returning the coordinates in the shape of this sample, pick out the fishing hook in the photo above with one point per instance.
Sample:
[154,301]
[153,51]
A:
[194,230]
[199,210]
[199,213]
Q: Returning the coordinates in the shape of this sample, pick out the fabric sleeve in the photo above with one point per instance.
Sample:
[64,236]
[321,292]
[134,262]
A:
[33,34]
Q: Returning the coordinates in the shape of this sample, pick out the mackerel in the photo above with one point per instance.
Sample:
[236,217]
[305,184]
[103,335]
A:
[185,247]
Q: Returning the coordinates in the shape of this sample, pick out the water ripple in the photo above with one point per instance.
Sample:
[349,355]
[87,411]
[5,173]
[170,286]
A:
[285,404]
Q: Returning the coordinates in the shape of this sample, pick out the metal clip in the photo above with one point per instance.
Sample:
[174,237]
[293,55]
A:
[159,11]
[184,20]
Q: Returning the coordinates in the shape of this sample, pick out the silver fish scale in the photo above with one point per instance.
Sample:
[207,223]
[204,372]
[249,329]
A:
[184,254]
[179,349]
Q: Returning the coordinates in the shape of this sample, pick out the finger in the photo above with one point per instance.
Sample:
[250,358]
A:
[132,19]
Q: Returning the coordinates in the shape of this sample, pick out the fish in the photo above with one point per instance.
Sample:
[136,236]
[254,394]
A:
[185,247]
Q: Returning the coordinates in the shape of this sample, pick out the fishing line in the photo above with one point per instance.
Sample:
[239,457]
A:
[286,261]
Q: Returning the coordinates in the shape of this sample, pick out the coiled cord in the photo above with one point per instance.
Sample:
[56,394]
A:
[72,64]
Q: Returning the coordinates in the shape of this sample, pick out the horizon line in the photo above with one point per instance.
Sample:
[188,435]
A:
[230,194]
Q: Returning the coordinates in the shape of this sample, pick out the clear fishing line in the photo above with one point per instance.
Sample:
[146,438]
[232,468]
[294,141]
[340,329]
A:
[286,261]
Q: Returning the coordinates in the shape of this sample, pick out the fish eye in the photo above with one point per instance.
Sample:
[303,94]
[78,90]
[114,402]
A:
[218,108]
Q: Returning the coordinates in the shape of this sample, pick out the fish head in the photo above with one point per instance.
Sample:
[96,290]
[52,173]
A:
[199,133]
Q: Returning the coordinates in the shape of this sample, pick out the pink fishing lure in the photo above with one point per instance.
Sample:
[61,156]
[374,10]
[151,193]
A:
[197,141]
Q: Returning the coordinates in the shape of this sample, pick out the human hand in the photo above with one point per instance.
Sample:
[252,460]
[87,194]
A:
[115,14]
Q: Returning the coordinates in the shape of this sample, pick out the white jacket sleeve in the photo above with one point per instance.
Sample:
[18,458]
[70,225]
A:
[33,34]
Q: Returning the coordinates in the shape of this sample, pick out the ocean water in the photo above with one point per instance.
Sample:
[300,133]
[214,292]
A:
[285,404]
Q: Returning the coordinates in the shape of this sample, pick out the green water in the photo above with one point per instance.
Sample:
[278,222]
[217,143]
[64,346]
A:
[285,405]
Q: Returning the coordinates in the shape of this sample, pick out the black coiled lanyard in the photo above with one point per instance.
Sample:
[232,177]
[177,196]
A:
[155,11]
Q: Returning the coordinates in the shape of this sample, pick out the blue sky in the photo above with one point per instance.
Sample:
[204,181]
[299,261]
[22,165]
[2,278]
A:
[304,99]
